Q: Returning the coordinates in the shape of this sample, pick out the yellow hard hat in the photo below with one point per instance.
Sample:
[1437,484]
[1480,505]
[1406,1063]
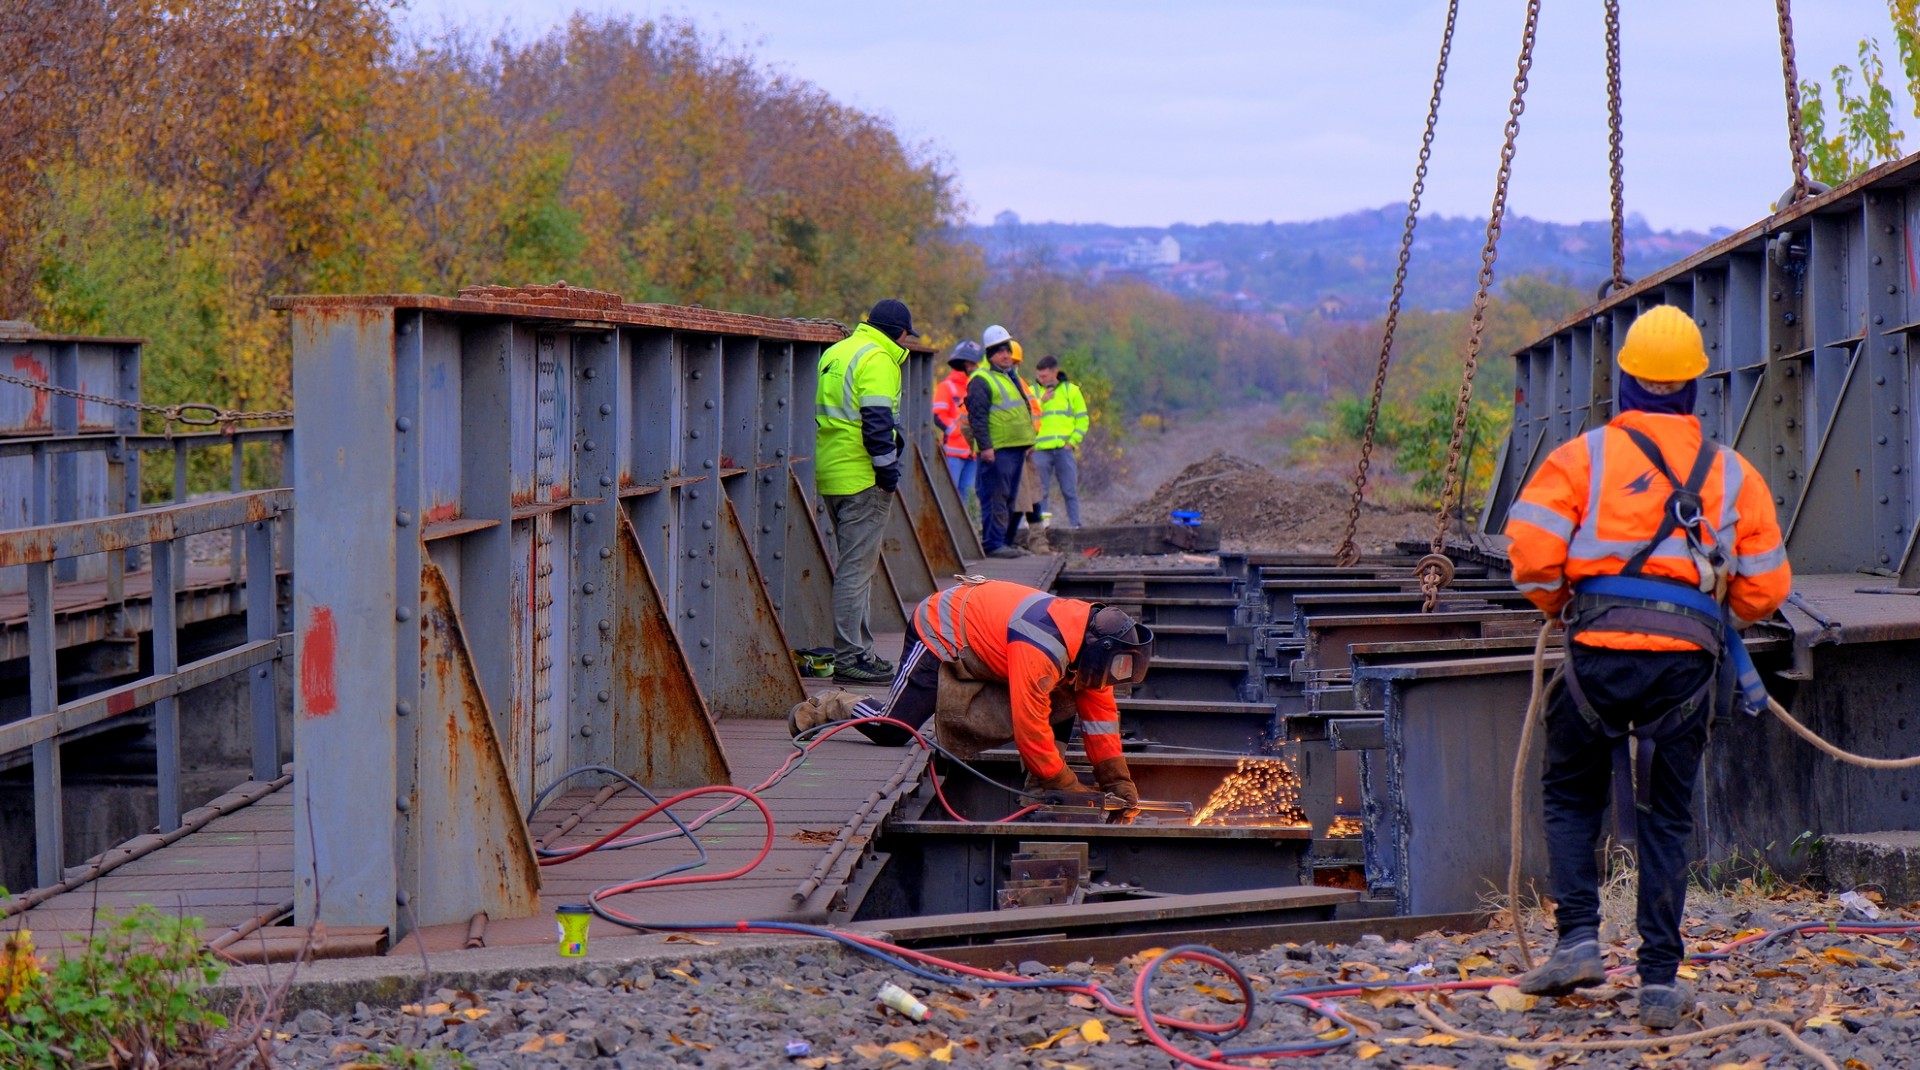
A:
[1017,355]
[1663,346]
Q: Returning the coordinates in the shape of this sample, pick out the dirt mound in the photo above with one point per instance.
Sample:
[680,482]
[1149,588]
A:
[1259,510]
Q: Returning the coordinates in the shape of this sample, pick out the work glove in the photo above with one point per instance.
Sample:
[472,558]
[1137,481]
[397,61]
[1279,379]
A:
[1117,780]
[888,478]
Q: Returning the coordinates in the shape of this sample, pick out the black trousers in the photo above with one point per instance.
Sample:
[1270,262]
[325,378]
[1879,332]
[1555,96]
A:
[1626,688]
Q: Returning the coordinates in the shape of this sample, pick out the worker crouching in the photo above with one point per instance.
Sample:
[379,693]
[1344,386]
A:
[991,662]
[1654,546]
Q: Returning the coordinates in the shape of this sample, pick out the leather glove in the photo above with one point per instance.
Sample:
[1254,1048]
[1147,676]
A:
[1064,780]
[887,478]
[1116,779]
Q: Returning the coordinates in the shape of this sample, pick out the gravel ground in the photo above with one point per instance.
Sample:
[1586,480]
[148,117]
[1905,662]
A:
[1853,997]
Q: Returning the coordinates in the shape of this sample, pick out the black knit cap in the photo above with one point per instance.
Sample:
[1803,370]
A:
[891,315]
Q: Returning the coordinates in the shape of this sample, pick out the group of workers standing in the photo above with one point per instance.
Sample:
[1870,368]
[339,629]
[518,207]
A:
[1009,442]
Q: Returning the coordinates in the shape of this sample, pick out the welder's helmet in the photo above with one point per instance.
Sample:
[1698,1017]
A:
[1116,650]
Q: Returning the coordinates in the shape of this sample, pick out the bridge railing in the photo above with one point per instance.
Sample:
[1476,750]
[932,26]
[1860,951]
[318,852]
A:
[253,517]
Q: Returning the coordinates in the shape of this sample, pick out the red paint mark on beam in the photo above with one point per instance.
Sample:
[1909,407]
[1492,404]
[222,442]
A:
[318,694]
[121,703]
[28,368]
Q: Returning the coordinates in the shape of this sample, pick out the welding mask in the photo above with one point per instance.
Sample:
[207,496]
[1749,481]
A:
[1116,650]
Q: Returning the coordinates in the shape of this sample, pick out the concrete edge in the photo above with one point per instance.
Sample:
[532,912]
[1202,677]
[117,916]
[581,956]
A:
[335,985]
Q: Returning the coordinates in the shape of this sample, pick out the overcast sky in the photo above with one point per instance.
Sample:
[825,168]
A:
[1151,113]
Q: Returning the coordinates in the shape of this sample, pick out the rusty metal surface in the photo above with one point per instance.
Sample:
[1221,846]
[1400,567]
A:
[750,633]
[467,821]
[661,731]
[1230,937]
[50,541]
[932,524]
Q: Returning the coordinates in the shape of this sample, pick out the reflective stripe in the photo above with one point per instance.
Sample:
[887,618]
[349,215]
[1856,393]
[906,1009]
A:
[881,460]
[1523,588]
[1589,548]
[936,619]
[1732,475]
[846,383]
[1543,518]
[1597,471]
[1031,623]
[876,401]
[1005,394]
[1099,728]
[1758,564]
[835,412]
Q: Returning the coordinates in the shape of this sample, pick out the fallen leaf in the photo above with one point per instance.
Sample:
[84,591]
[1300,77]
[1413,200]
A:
[906,1049]
[1063,1034]
[686,938]
[474,1014]
[951,1008]
[1224,995]
[1689,973]
[1093,1031]
[1517,1061]
[1367,1049]
[1380,998]
[1511,999]
[533,1047]
[1084,1003]
[1140,958]
[349,1047]
[1841,956]
[1474,962]
[677,1039]
[813,1064]
[1437,1040]
[691,979]
[869,1051]
[942,1054]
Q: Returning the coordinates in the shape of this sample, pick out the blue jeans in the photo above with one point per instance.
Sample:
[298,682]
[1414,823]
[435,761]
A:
[999,482]
[1625,687]
[1061,464]
[963,470]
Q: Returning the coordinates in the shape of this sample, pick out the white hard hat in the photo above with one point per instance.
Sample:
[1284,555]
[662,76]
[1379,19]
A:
[993,336]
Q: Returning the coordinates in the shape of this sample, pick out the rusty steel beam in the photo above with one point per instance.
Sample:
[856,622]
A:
[49,542]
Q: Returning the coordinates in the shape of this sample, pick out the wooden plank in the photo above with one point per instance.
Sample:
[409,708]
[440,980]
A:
[1101,915]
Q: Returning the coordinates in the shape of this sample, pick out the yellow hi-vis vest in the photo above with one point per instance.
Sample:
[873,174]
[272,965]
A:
[860,370]
[1009,420]
[1064,419]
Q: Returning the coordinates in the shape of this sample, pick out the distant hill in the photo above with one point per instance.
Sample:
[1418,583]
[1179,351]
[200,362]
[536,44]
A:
[1342,268]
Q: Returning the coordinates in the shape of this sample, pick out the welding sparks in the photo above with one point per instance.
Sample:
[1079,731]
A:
[1345,827]
[1263,791]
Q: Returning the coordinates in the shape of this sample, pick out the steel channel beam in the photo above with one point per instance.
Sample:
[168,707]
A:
[774,444]
[696,602]
[599,412]
[166,711]
[1060,951]
[43,695]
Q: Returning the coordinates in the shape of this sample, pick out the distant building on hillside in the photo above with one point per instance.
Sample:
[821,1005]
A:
[1162,253]
[1008,218]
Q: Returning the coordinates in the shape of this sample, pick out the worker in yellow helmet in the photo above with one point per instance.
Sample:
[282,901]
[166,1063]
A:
[1654,545]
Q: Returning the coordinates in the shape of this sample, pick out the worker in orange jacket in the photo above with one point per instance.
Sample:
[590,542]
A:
[1039,660]
[1654,545]
[950,416]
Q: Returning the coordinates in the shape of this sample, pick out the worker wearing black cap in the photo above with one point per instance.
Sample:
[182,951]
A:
[856,466]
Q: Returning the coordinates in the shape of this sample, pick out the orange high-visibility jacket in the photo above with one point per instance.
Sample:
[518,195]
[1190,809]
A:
[1597,500]
[1027,638]
[950,412]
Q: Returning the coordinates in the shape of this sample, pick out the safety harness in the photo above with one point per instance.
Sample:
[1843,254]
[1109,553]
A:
[1648,605]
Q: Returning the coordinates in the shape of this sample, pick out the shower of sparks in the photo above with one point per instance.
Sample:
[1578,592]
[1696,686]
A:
[1259,790]
[1344,826]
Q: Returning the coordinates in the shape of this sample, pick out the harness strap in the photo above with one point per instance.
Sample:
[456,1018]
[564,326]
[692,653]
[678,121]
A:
[1687,493]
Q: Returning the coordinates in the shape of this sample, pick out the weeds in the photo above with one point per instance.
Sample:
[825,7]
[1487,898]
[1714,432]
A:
[129,996]
[422,1059]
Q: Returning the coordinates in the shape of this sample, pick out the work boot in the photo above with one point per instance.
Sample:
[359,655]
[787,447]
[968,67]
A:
[1006,551]
[1662,1006]
[866,670]
[1575,965]
[823,708]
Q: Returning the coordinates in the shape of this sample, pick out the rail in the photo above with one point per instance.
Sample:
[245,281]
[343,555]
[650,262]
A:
[252,516]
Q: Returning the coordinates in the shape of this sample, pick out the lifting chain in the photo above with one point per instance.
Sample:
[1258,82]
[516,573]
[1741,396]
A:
[1796,137]
[1616,170]
[1435,570]
[1349,554]
[193,413]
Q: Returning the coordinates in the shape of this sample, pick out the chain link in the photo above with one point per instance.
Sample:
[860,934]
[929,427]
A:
[1432,577]
[1796,137]
[1616,169]
[1349,554]
[193,414]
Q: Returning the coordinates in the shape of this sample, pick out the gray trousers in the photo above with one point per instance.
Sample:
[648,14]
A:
[1062,466]
[859,520]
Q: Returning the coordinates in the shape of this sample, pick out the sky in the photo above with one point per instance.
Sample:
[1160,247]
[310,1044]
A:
[1142,113]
